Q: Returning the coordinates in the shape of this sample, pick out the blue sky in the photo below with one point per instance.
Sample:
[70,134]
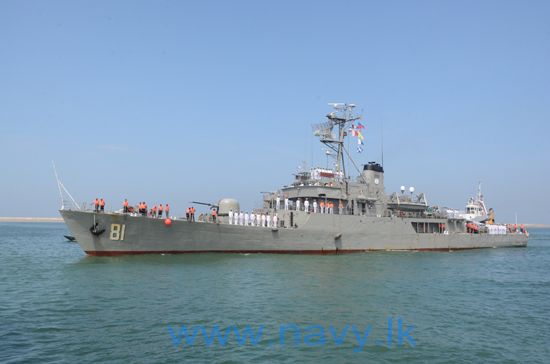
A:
[173,101]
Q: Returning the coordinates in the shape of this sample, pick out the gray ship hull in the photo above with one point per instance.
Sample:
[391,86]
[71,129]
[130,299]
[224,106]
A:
[315,234]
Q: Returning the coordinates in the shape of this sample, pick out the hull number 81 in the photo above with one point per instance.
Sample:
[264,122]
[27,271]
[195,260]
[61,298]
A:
[117,231]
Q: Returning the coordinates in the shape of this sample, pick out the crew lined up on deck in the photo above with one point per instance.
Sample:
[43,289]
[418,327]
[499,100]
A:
[141,208]
[323,206]
[190,214]
[234,218]
[155,211]
[99,205]
[246,219]
[473,228]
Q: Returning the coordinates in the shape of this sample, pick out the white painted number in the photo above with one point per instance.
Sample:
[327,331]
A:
[117,231]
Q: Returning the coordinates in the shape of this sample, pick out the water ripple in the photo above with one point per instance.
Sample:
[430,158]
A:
[57,305]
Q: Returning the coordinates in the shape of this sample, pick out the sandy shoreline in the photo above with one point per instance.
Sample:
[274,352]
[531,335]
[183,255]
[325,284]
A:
[31,219]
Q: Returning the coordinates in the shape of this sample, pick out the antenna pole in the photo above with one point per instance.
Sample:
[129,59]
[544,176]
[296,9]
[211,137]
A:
[62,188]
[382,143]
[58,185]
[338,122]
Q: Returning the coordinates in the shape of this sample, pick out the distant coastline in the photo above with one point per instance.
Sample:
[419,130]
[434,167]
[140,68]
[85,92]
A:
[536,226]
[31,219]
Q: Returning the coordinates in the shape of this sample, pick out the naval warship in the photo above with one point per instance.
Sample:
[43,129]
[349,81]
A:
[322,211]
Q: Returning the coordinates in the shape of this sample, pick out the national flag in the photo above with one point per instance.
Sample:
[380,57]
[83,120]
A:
[360,126]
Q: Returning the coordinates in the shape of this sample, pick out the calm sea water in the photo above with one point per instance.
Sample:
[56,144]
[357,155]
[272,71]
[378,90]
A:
[57,305]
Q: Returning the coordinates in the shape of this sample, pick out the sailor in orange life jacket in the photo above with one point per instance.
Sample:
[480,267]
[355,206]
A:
[167,210]
[214,214]
[322,204]
[160,211]
[193,213]
[154,211]
[96,205]
[102,205]
[125,206]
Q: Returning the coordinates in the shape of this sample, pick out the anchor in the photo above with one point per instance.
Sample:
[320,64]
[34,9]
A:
[95,229]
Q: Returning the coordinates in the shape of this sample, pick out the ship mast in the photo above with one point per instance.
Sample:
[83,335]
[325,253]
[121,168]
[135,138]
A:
[339,119]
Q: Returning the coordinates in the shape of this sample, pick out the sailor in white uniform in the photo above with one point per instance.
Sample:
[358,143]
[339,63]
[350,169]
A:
[278,203]
[258,220]
[263,220]
[268,220]
[246,219]
[298,205]
[230,214]
[315,206]
[252,219]
[241,218]
[286,203]
[275,220]
[306,205]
